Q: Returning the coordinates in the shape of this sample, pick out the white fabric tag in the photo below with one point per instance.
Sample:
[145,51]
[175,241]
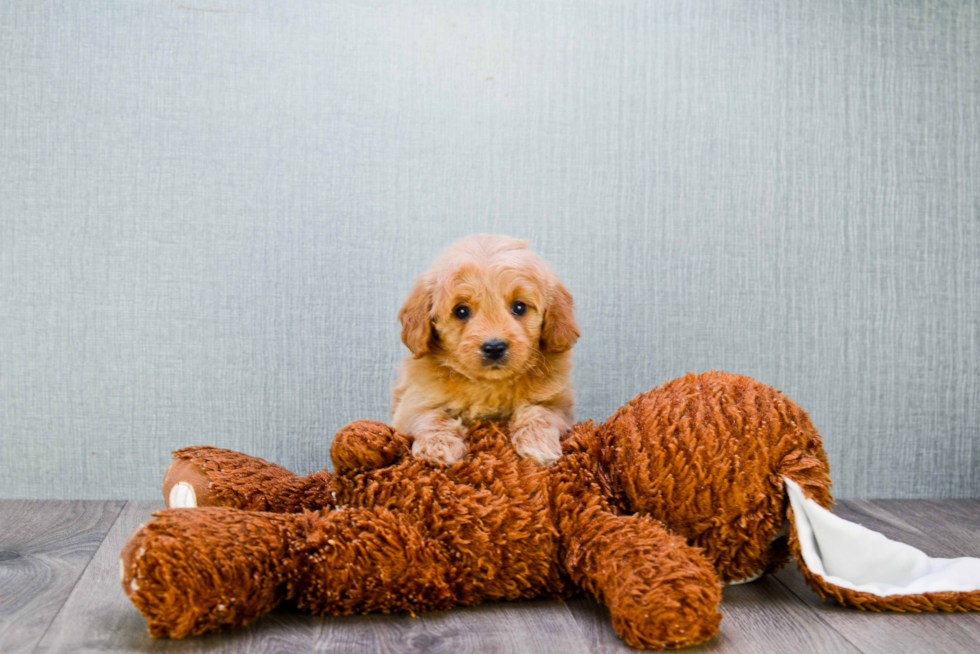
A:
[851,556]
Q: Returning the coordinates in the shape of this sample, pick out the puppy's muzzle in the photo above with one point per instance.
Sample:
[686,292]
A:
[493,351]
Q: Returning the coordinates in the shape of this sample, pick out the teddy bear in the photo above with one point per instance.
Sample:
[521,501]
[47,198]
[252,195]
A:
[708,479]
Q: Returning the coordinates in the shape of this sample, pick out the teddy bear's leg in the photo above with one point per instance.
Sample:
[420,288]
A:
[195,570]
[661,592]
[705,455]
[192,571]
[358,560]
[211,476]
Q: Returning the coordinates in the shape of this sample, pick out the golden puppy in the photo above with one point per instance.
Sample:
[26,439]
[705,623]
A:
[490,327]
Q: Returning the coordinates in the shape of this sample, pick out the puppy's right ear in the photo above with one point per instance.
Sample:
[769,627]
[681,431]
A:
[416,318]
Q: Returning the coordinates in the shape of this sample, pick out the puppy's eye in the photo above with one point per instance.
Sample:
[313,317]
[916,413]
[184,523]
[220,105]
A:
[462,312]
[518,308]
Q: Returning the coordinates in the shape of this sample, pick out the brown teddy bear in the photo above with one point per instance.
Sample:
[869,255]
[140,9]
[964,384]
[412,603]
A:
[682,490]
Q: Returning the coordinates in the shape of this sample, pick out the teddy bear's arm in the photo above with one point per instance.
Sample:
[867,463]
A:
[368,445]
[211,476]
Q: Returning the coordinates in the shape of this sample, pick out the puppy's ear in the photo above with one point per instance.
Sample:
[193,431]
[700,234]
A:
[416,318]
[559,331]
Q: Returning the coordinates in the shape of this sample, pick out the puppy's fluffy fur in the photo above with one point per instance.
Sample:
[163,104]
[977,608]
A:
[483,290]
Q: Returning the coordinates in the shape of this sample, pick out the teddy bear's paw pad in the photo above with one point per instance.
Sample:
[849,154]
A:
[182,496]
[186,485]
[747,580]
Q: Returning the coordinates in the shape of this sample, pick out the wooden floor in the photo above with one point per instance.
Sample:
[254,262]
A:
[60,592]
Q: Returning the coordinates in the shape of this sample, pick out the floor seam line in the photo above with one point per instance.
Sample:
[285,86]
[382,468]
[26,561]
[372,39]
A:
[82,574]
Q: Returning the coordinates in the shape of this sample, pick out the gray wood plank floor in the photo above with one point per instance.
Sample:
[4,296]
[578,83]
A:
[59,592]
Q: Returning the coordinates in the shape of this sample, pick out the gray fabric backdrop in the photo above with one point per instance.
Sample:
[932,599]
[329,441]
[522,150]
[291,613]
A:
[211,214]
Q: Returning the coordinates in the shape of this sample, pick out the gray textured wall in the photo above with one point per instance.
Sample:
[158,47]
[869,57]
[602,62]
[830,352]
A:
[209,218]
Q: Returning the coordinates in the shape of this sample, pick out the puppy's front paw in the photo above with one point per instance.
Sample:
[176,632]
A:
[441,447]
[540,444]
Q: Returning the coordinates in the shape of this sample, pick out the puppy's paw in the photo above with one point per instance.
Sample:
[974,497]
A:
[539,443]
[440,447]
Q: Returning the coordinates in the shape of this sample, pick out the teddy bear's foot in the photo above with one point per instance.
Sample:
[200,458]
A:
[661,592]
[211,476]
[667,605]
[192,571]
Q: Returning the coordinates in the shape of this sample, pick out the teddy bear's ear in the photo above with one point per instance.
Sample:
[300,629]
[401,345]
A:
[559,331]
[416,318]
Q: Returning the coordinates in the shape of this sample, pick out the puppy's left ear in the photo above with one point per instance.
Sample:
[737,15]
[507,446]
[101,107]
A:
[416,319]
[559,331]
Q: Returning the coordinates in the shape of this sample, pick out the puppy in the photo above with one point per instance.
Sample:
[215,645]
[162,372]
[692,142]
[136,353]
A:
[490,327]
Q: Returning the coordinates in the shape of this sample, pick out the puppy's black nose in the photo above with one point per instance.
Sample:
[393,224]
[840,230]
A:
[494,349]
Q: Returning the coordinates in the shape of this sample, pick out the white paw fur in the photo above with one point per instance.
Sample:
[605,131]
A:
[541,445]
[443,448]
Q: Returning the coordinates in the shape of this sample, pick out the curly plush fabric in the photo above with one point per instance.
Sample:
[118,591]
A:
[650,512]
[705,455]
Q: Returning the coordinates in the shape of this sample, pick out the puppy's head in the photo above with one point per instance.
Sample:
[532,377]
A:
[489,307]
